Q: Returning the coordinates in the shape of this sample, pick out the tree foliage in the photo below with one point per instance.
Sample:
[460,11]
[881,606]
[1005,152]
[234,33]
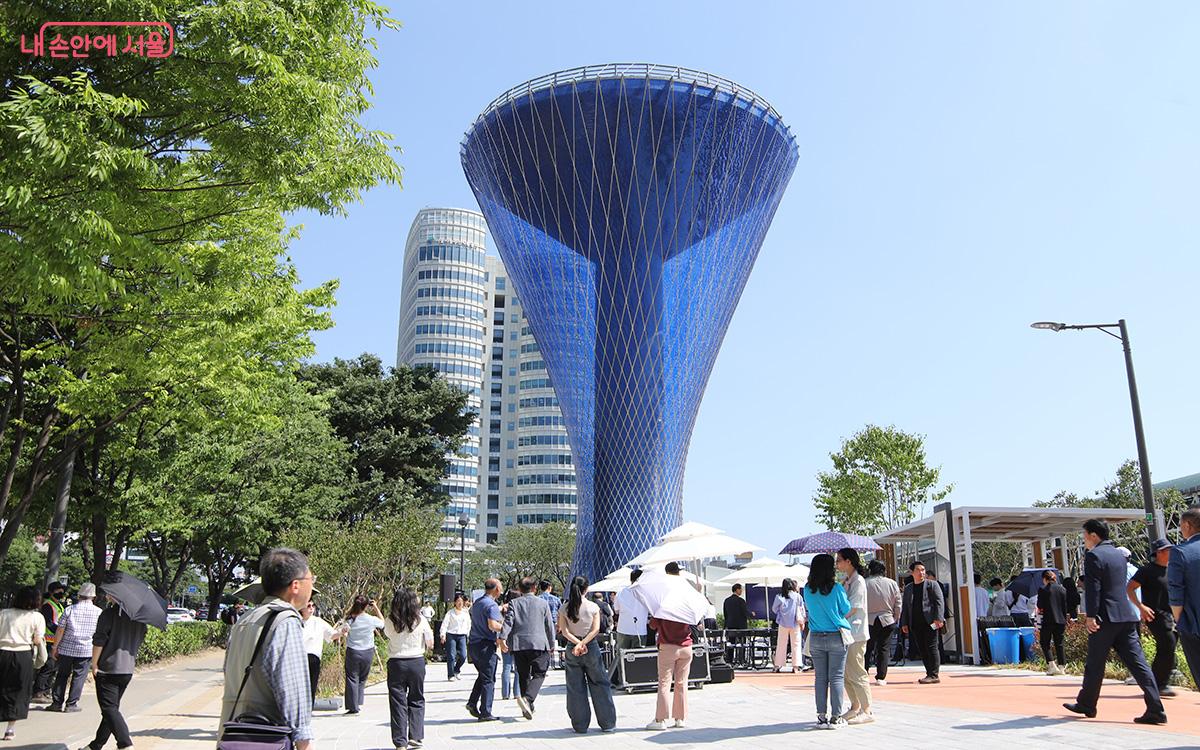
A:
[880,479]
[400,424]
[142,239]
[543,552]
[373,557]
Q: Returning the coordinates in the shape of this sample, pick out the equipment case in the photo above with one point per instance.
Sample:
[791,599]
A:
[637,669]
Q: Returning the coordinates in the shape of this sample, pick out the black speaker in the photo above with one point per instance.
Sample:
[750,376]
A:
[447,586]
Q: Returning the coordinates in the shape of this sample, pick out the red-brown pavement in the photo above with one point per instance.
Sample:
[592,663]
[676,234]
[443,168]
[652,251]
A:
[1009,691]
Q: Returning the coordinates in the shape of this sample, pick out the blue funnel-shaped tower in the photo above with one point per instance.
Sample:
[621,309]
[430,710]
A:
[628,203]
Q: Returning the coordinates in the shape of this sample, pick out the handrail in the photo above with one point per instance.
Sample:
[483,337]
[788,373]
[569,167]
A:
[628,70]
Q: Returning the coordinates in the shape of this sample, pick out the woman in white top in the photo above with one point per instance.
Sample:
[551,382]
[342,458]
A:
[579,623]
[317,633]
[455,628]
[359,628]
[22,631]
[858,686]
[409,637]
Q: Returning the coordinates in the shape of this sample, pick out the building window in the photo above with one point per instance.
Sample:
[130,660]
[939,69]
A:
[500,282]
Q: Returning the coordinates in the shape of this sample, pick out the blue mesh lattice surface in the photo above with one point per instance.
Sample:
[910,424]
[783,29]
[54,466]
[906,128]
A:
[628,212]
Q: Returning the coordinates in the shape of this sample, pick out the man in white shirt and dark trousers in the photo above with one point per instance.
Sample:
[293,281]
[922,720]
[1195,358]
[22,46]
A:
[631,622]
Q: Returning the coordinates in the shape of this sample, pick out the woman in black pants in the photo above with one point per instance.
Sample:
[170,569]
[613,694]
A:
[409,637]
[1052,611]
[359,629]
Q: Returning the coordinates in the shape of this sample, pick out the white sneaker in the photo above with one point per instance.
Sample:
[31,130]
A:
[679,723]
[837,723]
[881,682]
[656,726]
[850,714]
[863,717]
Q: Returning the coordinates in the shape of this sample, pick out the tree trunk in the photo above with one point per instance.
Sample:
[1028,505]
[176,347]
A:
[58,523]
[99,547]
[36,477]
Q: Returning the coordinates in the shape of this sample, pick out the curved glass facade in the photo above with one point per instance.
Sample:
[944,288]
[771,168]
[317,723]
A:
[628,203]
[443,323]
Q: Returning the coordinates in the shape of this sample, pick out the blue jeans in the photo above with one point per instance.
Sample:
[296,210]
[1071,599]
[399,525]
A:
[829,659]
[456,653]
[508,676]
[587,676]
[483,658]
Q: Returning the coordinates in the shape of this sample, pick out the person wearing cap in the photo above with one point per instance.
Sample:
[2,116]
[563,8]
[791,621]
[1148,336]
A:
[73,649]
[1155,611]
[1183,586]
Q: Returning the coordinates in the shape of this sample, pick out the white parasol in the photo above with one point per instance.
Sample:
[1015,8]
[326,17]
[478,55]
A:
[694,548]
[765,572]
[669,597]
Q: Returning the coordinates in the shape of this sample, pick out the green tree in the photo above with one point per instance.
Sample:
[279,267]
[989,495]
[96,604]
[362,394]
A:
[543,552]
[400,423]
[373,557]
[141,216]
[880,479]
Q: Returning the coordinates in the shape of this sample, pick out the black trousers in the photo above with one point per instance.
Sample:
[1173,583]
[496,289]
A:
[483,658]
[1122,637]
[314,674]
[880,646]
[358,669]
[1162,627]
[406,699]
[926,639]
[1191,652]
[43,680]
[532,667]
[1053,634]
[73,669]
[109,689]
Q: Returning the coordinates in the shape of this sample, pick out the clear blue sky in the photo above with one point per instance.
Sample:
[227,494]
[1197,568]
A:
[965,169]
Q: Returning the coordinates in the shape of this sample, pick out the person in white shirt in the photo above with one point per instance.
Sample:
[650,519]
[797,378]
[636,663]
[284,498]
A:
[857,684]
[1002,599]
[359,628]
[456,626]
[983,605]
[317,633]
[631,623]
[1021,611]
[22,631]
[426,609]
[409,637]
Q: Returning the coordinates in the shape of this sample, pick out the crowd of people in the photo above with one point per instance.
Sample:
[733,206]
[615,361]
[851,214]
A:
[835,627]
[46,643]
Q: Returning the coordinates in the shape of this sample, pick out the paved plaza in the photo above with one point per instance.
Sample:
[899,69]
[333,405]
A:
[979,708]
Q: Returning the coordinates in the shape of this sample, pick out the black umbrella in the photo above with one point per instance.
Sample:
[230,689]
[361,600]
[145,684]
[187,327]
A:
[135,597]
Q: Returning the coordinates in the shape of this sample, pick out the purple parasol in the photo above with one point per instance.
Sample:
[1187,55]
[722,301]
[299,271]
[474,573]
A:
[829,542]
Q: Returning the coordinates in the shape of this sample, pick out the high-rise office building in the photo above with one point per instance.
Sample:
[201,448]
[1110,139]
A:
[460,315]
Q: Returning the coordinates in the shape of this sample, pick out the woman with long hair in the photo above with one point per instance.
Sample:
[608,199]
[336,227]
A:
[359,627]
[456,626]
[409,637]
[579,623]
[788,609]
[829,632]
[508,666]
[317,633]
[22,632]
[857,683]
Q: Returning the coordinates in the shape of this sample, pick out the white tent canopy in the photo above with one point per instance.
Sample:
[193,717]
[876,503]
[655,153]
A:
[694,548]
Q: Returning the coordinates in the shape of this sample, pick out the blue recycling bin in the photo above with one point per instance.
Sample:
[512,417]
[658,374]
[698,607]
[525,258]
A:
[1005,643]
[1026,643]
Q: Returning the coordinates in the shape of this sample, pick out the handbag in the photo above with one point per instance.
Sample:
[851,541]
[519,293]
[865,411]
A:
[252,731]
[40,657]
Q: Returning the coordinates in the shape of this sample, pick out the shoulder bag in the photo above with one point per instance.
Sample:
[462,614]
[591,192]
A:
[252,731]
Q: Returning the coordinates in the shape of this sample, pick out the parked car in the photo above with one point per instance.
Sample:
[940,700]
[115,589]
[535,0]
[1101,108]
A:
[179,614]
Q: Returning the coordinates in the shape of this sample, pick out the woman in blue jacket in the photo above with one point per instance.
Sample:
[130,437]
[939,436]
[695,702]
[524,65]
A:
[828,633]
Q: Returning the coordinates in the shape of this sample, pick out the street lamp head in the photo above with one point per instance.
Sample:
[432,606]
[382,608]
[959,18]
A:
[463,520]
[1046,325]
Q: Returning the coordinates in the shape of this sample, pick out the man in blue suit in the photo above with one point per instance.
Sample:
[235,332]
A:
[1111,624]
[1183,587]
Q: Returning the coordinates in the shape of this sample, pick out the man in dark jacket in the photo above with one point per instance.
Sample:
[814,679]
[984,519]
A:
[922,616]
[1155,609]
[1052,608]
[737,612]
[529,634]
[1111,624]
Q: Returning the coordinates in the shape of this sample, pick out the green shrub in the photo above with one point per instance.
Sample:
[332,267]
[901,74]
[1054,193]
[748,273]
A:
[181,639]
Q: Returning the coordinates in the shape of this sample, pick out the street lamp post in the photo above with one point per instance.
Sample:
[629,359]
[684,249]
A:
[463,520]
[1153,523]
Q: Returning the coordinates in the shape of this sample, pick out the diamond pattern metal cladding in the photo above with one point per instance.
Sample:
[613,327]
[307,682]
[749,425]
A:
[628,210]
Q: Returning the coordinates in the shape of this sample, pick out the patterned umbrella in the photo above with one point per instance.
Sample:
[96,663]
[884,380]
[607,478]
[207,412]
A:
[829,542]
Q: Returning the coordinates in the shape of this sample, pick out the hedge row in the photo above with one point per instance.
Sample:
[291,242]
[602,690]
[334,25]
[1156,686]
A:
[181,639]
